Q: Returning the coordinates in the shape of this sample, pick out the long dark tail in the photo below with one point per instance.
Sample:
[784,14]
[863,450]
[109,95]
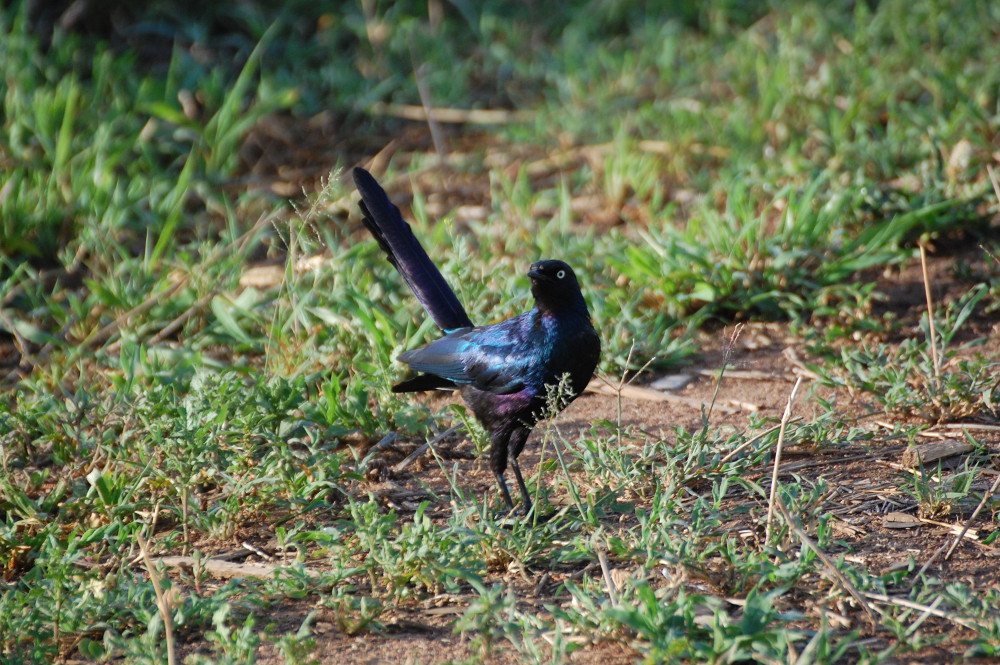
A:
[396,239]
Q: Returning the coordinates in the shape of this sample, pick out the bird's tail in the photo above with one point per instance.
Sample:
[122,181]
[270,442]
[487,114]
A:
[396,239]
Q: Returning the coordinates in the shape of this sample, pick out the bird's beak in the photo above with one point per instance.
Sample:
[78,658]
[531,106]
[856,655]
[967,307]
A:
[536,275]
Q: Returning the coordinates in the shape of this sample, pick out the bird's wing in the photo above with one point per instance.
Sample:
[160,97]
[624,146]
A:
[481,357]
[396,239]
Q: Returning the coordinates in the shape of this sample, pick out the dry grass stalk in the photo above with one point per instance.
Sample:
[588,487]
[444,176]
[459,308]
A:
[752,440]
[386,441]
[163,604]
[994,181]
[927,564]
[986,497]
[838,577]
[453,115]
[777,459]
[609,582]
[909,604]
[748,374]
[965,426]
[923,617]
[728,349]
[930,313]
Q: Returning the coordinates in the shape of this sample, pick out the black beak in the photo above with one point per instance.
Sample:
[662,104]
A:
[537,275]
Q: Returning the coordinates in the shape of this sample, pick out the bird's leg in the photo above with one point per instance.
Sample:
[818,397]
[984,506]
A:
[498,462]
[525,497]
[503,489]
[515,444]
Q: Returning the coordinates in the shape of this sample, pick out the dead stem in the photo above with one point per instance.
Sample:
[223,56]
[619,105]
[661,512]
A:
[777,458]
[728,346]
[412,457]
[838,577]
[930,314]
[986,497]
[163,604]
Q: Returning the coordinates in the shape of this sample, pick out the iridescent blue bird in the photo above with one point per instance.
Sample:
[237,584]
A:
[505,371]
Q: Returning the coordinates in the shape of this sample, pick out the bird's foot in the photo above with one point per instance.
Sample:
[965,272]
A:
[542,518]
[526,516]
[508,515]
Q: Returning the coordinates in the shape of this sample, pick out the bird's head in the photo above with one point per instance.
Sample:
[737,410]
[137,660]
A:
[554,285]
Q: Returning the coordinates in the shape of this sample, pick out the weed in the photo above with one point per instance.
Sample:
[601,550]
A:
[938,493]
[487,618]
[905,378]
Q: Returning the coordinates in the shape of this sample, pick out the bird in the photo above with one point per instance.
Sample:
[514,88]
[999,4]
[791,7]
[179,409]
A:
[505,371]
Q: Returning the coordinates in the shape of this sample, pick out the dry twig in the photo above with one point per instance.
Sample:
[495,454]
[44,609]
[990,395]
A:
[386,441]
[965,426]
[412,457]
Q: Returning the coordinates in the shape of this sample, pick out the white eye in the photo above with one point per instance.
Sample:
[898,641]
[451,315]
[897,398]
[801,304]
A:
[561,274]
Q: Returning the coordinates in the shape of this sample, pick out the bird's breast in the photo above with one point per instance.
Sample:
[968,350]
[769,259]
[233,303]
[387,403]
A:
[572,347]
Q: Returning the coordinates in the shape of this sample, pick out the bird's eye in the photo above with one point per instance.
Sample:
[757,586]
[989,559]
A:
[561,274]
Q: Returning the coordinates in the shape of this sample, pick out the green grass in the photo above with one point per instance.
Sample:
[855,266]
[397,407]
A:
[697,166]
[908,378]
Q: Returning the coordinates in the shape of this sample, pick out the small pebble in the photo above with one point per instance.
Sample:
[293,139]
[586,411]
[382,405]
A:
[672,382]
